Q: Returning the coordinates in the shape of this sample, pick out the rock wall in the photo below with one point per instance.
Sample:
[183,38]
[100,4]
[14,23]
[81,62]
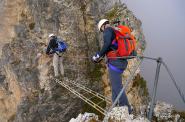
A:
[27,92]
[9,18]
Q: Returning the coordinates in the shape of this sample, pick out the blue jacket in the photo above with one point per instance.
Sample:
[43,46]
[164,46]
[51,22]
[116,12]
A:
[108,37]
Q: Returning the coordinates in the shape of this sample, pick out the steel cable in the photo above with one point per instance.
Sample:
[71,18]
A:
[174,82]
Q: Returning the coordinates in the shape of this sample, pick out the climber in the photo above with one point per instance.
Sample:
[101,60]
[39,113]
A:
[115,66]
[56,47]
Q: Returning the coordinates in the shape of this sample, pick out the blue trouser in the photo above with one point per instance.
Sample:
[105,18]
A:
[116,83]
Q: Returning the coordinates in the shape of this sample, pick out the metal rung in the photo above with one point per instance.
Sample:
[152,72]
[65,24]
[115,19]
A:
[91,91]
[77,89]
[85,93]
[91,97]
[88,101]
[101,102]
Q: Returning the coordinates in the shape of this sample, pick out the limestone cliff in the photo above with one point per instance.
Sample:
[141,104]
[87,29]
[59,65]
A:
[27,92]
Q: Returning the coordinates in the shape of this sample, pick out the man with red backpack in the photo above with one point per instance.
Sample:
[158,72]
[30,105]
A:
[114,42]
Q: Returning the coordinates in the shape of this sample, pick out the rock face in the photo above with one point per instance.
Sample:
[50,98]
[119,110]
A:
[120,114]
[9,18]
[27,93]
[166,112]
[86,117]
[163,111]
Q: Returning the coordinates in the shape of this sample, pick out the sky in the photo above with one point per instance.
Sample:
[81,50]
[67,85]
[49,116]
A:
[163,23]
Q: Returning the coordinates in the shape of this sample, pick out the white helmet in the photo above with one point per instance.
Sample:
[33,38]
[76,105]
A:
[101,22]
[50,35]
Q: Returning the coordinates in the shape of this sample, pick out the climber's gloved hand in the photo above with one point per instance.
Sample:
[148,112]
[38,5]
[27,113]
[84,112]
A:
[96,58]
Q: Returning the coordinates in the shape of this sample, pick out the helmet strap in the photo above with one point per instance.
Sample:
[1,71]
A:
[103,26]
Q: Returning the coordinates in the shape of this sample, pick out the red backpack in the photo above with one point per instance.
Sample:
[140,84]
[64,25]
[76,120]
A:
[125,41]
